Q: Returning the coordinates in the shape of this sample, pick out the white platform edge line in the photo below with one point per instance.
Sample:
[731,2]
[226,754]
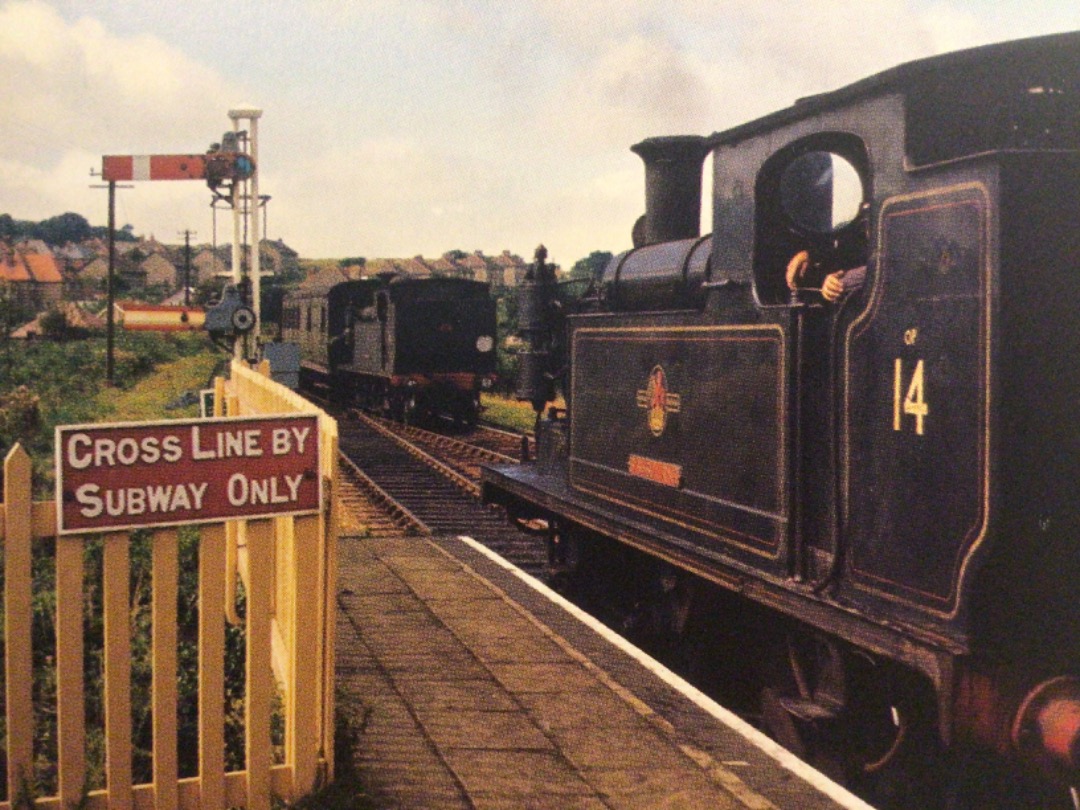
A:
[785,758]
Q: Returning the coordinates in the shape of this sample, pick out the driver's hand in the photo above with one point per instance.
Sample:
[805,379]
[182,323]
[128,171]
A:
[833,286]
[796,268]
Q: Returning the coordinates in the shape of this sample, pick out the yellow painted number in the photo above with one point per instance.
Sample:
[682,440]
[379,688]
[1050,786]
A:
[913,403]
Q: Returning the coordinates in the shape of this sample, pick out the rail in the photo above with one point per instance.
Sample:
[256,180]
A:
[288,645]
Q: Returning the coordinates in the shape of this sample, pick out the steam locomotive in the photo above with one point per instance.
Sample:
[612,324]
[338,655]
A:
[412,348]
[874,503]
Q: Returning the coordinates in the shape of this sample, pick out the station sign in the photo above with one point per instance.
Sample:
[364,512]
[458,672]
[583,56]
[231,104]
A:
[140,474]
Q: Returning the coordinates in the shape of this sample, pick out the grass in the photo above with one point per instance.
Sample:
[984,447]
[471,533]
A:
[153,398]
[508,413]
[511,414]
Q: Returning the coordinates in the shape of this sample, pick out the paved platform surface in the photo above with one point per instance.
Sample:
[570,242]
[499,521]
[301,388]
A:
[478,692]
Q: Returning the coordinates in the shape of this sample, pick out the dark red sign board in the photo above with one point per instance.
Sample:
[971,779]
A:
[133,475]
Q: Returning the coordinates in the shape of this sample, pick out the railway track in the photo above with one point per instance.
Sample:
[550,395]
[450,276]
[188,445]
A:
[402,479]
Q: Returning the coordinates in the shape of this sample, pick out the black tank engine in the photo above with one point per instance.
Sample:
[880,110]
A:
[411,348]
[872,455]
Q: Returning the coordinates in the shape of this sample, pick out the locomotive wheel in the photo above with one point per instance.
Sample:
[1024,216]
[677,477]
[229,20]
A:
[832,709]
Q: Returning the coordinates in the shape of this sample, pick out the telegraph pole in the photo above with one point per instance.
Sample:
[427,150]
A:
[110,282]
[110,287]
[187,234]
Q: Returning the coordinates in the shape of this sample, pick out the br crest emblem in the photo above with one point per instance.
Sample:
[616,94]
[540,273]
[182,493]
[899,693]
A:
[657,401]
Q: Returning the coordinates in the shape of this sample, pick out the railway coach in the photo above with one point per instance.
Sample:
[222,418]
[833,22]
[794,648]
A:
[842,427]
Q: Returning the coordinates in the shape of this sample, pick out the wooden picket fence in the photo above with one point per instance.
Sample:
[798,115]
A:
[282,562]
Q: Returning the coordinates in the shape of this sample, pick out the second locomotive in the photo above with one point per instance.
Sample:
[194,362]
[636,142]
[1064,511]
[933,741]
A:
[411,348]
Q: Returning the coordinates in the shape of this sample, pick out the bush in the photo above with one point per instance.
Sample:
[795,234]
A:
[20,416]
[67,379]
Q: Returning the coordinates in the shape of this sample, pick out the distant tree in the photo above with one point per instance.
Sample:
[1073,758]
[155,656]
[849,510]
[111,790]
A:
[7,227]
[591,266]
[11,228]
[59,230]
[352,261]
[54,324]
[455,255]
[125,234]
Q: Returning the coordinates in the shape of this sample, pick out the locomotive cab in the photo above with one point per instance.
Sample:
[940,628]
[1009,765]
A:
[851,406]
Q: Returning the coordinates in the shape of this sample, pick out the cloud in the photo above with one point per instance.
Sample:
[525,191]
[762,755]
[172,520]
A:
[73,92]
[395,127]
[631,88]
[72,87]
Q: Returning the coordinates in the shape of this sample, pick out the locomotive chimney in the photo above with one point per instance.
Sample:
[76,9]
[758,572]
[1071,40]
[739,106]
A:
[672,188]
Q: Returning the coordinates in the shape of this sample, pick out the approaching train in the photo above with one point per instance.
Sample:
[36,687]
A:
[843,426]
[412,348]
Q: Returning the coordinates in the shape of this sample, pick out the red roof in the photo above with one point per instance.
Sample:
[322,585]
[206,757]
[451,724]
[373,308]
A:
[14,270]
[43,268]
[23,267]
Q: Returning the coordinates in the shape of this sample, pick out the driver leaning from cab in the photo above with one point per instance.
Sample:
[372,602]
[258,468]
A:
[804,273]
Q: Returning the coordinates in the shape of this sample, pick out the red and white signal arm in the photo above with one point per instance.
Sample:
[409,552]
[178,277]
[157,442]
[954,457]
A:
[216,165]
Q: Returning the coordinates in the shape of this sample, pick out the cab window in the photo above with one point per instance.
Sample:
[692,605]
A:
[811,196]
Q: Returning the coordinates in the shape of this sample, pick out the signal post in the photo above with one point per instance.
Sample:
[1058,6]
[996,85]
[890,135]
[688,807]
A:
[226,168]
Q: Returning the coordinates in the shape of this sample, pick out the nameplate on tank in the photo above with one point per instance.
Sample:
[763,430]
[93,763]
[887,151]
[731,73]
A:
[660,472]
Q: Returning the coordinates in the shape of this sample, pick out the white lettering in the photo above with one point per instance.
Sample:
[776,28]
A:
[127,451]
[87,495]
[159,497]
[279,441]
[238,489]
[104,450]
[251,443]
[131,501]
[180,499]
[244,491]
[301,437]
[293,482]
[114,506]
[260,491]
[197,452]
[170,446]
[76,461]
[84,451]
[136,501]
[234,445]
[275,496]
[150,450]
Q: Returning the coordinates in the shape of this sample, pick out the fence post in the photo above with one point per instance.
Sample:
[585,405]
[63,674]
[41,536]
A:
[70,691]
[117,606]
[17,618]
[163,600]
[260,679]
[211,667]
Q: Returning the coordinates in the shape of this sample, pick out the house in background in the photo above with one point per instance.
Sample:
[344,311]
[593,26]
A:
[77,318]
[33,279]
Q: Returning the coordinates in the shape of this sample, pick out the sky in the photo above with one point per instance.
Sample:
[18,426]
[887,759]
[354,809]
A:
[395,128]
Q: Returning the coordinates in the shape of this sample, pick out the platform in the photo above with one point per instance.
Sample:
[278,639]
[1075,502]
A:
[477,690]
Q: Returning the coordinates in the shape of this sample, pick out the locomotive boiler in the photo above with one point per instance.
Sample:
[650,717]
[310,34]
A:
[411,348]
[859,468]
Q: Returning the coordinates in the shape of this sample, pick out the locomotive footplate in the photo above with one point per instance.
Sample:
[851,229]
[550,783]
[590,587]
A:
[535,493]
